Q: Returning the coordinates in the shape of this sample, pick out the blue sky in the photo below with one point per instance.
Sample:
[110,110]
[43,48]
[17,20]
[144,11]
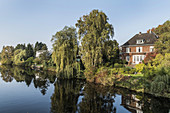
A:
[28,21]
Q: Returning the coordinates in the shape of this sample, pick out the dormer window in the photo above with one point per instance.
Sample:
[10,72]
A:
[141,41]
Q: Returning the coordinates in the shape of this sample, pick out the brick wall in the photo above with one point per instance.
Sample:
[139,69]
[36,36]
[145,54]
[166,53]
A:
[145,49]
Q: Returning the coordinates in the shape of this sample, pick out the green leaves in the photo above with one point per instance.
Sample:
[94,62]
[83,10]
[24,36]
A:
[7,55]
[95,34]
[65,50]
[19,56]
[162,45]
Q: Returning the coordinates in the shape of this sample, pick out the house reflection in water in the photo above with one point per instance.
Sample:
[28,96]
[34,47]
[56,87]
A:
[131,103]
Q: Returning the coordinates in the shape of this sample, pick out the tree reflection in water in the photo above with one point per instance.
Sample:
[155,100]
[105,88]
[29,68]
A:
[72,96]
[41,80]
[65,96]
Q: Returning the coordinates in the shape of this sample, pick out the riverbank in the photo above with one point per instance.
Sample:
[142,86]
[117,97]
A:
[134,82]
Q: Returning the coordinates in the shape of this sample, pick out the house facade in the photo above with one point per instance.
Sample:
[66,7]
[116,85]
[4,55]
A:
[134,50]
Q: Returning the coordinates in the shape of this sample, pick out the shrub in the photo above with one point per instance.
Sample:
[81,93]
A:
[139,67]
[116,65]
[114,71]
[121,70]
[132,71]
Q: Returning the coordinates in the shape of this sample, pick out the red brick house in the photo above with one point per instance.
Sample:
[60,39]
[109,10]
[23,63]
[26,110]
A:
[135,49]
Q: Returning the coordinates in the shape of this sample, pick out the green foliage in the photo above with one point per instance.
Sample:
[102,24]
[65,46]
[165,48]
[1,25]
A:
[20,46]
[29,61]
[37,61]
[19,57]
[89,73]
[29,51]
[44,56]
[121,70]
[116,65]
[139,67]
[161,60]
[7,55]
[132,71]
[95,34]
[162,45]
[161,82]
[40,46]
[149,72]
[65,50]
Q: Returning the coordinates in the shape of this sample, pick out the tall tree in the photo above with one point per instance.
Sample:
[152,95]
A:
[40,46]
[65,49]
[20,46]
[29,51]
[163,31]
[95,34]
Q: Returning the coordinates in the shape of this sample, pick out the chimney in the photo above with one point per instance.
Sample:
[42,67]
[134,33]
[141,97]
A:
[140,33]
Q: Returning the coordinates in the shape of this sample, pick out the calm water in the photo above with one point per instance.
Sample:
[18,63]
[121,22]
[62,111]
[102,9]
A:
[27,91]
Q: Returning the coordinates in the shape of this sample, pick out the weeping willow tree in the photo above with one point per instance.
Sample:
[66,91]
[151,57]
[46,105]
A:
[95,34]
[65,50]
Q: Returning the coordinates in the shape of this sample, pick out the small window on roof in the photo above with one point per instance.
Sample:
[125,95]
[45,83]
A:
[148,40]
[141,41]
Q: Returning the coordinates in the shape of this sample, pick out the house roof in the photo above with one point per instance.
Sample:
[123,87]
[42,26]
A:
[149,38]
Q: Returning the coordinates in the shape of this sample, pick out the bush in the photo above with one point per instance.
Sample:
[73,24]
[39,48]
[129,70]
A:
[139,67]
[121,70]
[127,69]
[114,71]
[116,65]
[132,71]
[124,62]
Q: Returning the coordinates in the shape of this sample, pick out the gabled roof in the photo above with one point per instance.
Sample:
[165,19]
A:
[149,38]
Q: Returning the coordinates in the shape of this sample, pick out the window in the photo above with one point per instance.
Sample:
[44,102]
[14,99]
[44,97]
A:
[138,58]
[127,58]
[151,48]
[127,50]
[141,41]
[139,49]
[134,58]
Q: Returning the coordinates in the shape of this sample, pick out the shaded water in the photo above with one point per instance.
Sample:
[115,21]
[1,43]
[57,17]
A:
[27,91]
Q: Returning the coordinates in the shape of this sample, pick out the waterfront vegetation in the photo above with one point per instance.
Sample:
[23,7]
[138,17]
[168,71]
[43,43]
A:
[97,57]
[42,92]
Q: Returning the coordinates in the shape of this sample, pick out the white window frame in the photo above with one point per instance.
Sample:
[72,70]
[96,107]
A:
[127,50]
[151,48]
[138,58]
[139,48]
[140,41]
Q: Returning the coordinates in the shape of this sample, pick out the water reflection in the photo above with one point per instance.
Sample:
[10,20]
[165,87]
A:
[71,96]
[41,80]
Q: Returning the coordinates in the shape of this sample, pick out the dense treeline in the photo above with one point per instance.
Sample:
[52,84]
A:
[22,54]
